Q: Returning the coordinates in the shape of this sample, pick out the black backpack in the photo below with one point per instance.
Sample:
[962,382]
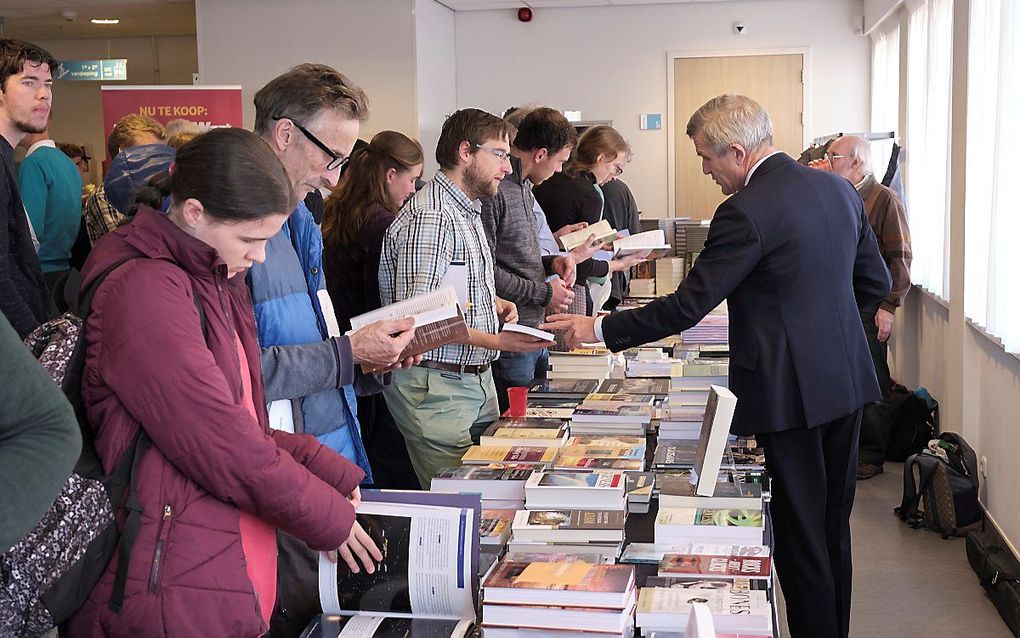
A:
[50,573]
[915,422]
[944,496]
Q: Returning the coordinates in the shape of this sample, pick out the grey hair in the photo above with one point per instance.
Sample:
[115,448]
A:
[731,119]
[860,149]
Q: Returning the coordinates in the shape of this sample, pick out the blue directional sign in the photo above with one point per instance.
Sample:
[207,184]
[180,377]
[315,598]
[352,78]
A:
[114,69]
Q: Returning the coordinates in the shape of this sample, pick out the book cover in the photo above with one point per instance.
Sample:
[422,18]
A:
[607,439]
[622,413]
[694,517]
[673,453]
[494,526]
[732,609]
[591,463]
[605,451]
[598,399]
[569,520]
[526,422]
[593,480]
[701,565]
[712,443]
[651,386]
[563,388]
[745,584]
[475,473]
[640,486]
[438,321]
[570,576]
[479,454]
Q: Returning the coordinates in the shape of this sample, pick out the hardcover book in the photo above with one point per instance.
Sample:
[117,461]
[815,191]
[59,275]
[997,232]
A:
[714,431]
[437,321]
[563,388]
[732,610]
[658,387]
[569,525]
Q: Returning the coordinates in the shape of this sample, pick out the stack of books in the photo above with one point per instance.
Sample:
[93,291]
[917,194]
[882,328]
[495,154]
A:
[713,329]
[640,488]
[690,235]
[581,363]
[569,531]
[606,453]
[580,490]
[681,421]
[499,487]
[696,566]
[526,432]
[648,363]
[517,455]
[657,388]
[572,598]
[667,225]
[642,287]
[733,611]
[620,413]
[669,273]
[494,527]
[558,389]
[677,490]
[675,525]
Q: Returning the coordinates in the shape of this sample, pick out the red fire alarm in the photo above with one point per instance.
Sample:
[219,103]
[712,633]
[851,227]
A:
[524,14]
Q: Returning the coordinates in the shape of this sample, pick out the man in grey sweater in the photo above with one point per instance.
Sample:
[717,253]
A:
[533,282]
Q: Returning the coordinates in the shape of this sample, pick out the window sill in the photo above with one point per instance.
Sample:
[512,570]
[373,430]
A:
[932,296]
[979,329]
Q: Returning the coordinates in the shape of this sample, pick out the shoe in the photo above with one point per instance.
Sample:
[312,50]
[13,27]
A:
[868,470]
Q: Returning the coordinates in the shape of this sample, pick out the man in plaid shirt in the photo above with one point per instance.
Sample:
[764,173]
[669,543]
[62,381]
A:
[444,403]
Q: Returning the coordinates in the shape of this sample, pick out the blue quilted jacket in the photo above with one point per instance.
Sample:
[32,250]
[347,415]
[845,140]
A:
[284,289]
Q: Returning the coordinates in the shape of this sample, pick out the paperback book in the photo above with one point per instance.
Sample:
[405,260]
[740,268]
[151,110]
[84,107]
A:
[521,455]
[704,566]
[569,525]
[573,583]
[680,524]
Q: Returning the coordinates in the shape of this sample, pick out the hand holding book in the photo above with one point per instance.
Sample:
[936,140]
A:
[378,345]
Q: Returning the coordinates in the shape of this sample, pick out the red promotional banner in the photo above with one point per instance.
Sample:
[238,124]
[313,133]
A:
[209,106]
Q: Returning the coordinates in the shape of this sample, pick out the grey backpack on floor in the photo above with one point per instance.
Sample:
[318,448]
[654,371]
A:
[944,496]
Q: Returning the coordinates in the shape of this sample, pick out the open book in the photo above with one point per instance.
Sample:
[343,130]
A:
[652,240]
[715,430]
[430,559]
[602,230]
[437,320]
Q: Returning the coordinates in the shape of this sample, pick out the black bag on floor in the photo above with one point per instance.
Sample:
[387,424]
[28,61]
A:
[944,497]
[999,573]
[915,422]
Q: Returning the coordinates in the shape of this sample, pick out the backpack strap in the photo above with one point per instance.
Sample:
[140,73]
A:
[907,511]
[127,469]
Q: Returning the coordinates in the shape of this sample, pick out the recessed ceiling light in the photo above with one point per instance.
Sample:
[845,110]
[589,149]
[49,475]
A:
[105,21]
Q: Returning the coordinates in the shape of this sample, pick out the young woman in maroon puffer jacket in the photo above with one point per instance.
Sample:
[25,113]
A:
[216,484]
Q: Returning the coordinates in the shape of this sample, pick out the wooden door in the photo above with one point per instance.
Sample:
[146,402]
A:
[774,81]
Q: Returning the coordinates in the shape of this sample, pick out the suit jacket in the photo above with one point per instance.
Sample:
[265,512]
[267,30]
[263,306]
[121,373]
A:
[795,256]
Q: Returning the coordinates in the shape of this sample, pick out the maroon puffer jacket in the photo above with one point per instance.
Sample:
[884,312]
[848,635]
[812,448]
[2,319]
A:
[148,365]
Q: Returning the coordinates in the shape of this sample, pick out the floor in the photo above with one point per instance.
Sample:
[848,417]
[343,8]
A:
[910,583]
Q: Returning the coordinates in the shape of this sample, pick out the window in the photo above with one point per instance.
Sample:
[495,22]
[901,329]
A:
[885,93]
[929,79]
[993,128]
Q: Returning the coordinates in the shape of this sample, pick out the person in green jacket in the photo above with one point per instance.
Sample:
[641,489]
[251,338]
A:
[39,439]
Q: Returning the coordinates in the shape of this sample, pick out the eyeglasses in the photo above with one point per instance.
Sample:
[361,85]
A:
[336,160]
[617,169]
[833,156]
[498,152]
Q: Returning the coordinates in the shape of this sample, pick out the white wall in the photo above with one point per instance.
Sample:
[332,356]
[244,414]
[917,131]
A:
[877,10]
[436,75]
[610,62]
[78,106]
[250,42]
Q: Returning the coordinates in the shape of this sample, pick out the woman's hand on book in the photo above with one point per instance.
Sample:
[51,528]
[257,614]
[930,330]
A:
[358,546]
[355,497]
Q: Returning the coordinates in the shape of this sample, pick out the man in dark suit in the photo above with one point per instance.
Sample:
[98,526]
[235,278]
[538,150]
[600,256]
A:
[794,255]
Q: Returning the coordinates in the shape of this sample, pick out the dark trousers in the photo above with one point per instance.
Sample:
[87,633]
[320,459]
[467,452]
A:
[385,445]
[814,474]
[517,369]
[879,351]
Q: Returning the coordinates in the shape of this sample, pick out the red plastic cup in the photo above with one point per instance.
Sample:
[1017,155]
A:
[518,401]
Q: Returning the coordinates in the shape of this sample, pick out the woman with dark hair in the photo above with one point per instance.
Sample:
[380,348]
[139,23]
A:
[172,370]
[375,183]
[575,195]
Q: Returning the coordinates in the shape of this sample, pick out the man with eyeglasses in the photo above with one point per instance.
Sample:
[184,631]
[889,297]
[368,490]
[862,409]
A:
[850,157]
[443,404]
[543,142]
[311,116]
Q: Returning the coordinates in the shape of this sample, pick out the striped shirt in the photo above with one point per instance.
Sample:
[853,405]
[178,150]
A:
[438,226]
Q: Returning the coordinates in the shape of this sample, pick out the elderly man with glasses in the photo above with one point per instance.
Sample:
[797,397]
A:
[311,116]
[850,157]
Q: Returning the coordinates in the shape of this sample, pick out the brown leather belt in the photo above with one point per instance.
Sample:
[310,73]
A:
[453,367]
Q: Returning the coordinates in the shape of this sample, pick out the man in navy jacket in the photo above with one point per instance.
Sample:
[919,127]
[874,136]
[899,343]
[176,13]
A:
[793,254]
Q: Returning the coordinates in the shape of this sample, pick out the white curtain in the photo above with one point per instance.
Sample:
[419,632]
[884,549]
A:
[885,92]
[929,80]
[992,259]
